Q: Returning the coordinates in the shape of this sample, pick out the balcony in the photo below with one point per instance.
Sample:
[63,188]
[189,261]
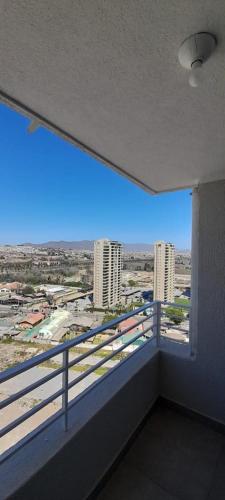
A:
[128,393]
[152,326]
[122,435]
[107,79]
[151,332]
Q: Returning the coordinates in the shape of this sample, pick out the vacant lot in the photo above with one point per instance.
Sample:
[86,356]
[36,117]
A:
[13,352]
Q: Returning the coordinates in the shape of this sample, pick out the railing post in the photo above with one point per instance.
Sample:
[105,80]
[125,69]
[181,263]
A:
[65,387]
[157,321]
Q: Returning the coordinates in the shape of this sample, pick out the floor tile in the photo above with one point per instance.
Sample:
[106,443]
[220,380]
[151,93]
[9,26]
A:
[217,490]
[127,483]
[179,456]
[173,456]
[179,430]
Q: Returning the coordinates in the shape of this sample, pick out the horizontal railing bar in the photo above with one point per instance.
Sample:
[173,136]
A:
[29,437]
[44,425]
[168,339]
[108,341]
[82,394]
[107,358]
[66,346]
[175,328]
[58,371]
[30,413]
[167,319]
[175,304]
[175,315]
[30,388]
[40,358]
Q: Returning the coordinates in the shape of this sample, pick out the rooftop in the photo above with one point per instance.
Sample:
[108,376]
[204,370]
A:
[33,318]
[130,322]
[51,327]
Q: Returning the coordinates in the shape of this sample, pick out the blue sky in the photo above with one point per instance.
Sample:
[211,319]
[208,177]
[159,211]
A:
[52,191]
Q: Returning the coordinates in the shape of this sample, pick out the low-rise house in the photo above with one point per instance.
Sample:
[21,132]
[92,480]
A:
[12,287]
[31,320]
[129,322]
[14,299]
[132,334]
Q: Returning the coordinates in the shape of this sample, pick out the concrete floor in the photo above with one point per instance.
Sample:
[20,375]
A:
[173,457]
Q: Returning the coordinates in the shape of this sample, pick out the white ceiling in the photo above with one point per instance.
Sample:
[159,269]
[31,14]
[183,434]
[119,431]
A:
[105,73]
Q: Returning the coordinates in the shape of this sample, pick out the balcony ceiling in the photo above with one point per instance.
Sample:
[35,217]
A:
[105,75]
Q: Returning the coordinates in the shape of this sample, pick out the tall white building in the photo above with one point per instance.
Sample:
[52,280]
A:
[164,271]
[107,273]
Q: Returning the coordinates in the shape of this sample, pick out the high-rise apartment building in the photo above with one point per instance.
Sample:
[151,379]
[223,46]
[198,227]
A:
[107,273]
[164,271]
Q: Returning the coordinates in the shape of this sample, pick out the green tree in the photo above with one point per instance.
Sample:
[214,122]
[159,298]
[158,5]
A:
[108,317]
[28,290]
[174,314]
[132,283]
[138,303]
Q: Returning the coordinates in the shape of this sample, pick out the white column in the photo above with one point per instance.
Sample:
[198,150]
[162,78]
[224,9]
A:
[198,382]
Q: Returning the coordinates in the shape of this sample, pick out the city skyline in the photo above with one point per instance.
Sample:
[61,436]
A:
[53,191]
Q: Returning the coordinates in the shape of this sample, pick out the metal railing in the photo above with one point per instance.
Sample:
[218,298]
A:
[151,312]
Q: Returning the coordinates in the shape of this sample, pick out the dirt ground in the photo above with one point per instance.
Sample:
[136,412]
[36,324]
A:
[17,409]
[14,352]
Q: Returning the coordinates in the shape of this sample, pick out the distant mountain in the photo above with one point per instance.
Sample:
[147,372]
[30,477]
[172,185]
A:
[138,247]
[75,245]
[89,245]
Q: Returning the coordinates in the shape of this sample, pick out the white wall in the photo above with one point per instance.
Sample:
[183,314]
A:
[199,384]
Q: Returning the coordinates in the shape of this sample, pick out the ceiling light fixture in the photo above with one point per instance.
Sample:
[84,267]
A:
[193,52]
